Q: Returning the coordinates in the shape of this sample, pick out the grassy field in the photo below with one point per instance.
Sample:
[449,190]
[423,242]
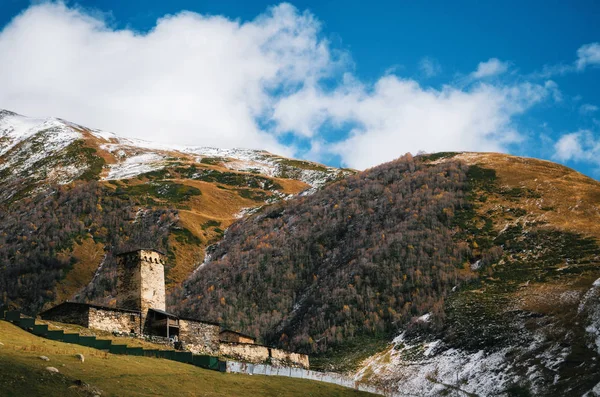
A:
[23,373]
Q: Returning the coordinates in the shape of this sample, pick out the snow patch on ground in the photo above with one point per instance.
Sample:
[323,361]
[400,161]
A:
[416,369]
[590,308]
[244,212]
[265,163]
[136,165]
[424,318]
[138,156]
[33,140]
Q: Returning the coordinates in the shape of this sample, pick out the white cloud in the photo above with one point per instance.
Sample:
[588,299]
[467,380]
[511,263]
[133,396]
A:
[430,67]
[588,108]
[492,67]
[213,81]
[580,146]
[398,115]
[192,79]
[587,55]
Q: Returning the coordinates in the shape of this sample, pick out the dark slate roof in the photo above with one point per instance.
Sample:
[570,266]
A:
[238,333]
[79,304]
[163,312]
[200,321]
[183,318]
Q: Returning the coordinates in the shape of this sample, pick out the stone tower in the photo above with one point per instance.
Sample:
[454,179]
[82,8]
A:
[141,281]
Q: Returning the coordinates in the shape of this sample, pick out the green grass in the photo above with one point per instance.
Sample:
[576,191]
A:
[437,156]
[210,223]
[86,155]
[169,191]
[255,195]
[347,357]
[303,165]
[22,373]
[184,236]
[213,160]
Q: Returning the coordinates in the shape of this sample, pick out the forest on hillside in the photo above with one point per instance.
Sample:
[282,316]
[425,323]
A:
[36,230]
[358,259]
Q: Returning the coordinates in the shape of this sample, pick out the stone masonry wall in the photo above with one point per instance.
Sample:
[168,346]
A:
[152,289]
[289,359]
[199,338]
[234,337]
[141,281]
[113,320]
[128,281]
[257,354]
[245,352]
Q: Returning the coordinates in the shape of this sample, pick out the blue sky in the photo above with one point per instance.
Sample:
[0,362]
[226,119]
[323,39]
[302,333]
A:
[342,82]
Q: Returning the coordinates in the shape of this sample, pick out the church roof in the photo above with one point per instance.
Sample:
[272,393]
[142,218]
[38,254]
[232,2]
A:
[182,318]
[79,304]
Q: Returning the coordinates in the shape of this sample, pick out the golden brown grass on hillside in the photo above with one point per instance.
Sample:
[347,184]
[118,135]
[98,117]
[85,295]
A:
[568,200]
[89,255]
[22,373]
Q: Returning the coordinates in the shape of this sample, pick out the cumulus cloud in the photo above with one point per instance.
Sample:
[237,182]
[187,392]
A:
[580,146]
[214,81]
[491,67]
[398,115]
[192,79]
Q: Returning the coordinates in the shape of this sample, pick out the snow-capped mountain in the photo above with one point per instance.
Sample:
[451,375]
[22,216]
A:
[56,151]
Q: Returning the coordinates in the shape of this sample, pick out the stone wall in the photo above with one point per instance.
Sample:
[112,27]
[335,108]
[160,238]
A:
[114,320]
[198,337]
[141,281]
[289,359]
[128,281]
[234,337]
[245,352]
[257,354]
[152,289]
[70,313]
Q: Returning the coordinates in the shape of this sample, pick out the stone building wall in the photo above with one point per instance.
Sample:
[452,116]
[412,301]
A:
[245,352]
[234,337]
[114,320]
[70,313]
[128,281]
[152,289]
[198,337]
[141,281]
[289,359]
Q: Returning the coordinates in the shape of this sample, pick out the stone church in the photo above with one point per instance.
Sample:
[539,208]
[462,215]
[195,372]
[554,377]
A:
[141,310]
[141,307]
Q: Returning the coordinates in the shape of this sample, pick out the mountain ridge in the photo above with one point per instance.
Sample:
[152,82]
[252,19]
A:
[465,312]
[439,273]
[197,191]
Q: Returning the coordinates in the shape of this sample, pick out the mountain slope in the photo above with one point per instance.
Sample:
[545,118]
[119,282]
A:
[74,196]
[476,270]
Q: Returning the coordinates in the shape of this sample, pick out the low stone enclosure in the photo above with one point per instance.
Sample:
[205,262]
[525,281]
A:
[256,354]
[194,336]
[141,311]
[203,361]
